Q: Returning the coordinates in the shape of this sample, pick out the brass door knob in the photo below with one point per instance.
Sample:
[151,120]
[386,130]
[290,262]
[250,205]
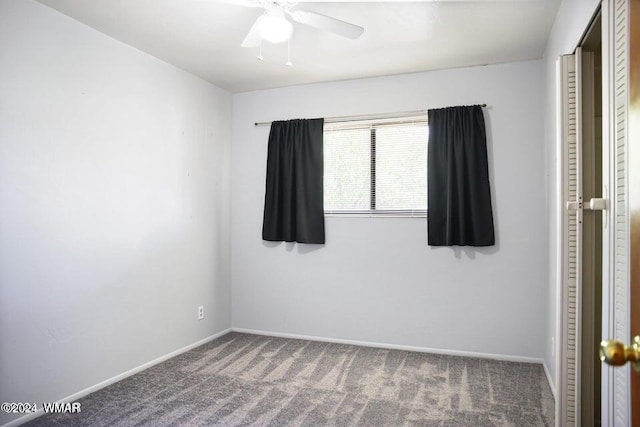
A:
[616,353]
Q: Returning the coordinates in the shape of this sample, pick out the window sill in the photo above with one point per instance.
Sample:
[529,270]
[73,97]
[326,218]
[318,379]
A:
[375,214]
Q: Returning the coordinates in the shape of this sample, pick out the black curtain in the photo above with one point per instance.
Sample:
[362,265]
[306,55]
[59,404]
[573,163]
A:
[293,203]
[458,179]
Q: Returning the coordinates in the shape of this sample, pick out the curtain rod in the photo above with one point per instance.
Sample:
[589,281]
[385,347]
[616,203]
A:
[339,119]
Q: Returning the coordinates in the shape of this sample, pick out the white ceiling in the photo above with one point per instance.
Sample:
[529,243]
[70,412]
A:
[204,36]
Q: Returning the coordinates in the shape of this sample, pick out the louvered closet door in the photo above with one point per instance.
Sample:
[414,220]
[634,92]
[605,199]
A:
[616,244]
[570,119]
[621,223]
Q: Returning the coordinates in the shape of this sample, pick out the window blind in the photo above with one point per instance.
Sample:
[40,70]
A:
[376,167]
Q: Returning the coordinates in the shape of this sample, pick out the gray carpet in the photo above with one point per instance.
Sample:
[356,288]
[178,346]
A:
[242,379]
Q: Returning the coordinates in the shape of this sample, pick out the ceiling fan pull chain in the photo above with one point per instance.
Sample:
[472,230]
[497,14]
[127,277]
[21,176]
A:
[260,57]
[289,63]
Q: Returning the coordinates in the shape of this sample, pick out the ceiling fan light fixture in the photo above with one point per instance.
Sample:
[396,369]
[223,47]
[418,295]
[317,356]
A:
[275,28]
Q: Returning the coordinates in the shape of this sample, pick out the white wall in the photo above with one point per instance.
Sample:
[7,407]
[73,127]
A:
[376,279]
[114,206]
[571,22]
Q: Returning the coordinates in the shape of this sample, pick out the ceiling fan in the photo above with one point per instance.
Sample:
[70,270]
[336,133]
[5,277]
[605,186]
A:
[274,27]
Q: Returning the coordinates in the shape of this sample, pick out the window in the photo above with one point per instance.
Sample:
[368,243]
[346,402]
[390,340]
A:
[376,167]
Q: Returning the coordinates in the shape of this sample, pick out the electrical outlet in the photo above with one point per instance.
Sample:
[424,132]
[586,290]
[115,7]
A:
[553,346]
[201,312]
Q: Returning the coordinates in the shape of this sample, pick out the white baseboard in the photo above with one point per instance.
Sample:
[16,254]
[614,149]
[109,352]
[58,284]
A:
[119,377]
[549,380]
[503,357]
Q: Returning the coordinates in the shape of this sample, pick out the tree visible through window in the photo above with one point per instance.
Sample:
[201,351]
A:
[376,167]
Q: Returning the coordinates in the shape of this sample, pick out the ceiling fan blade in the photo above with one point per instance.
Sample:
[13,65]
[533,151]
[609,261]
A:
[246,3]
[327,23]
[253,38]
